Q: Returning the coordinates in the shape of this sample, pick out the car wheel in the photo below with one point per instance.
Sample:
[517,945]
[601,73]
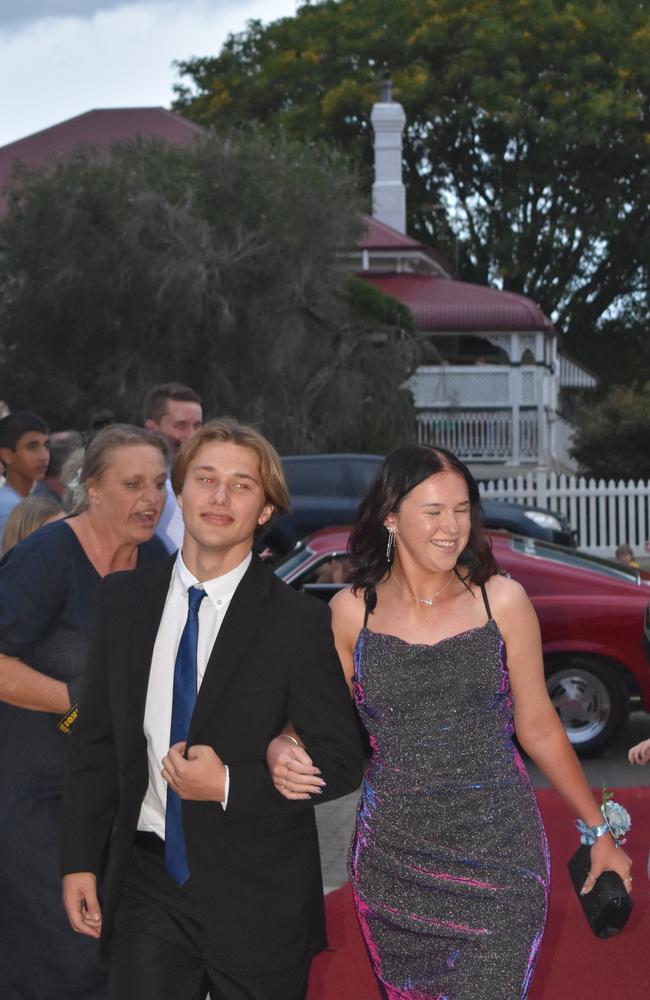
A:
[591,699]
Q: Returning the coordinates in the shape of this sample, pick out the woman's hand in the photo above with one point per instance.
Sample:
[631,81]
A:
[605,856]
[292,770]
[81,904]
[639,754]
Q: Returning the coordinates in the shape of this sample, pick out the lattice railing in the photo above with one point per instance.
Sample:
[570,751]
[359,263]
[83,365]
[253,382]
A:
[481,435]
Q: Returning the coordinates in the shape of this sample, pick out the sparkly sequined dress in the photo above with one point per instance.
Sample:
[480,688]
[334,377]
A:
[449,863]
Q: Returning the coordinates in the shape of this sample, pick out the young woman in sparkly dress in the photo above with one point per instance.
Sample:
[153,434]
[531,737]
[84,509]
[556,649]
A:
[448,863]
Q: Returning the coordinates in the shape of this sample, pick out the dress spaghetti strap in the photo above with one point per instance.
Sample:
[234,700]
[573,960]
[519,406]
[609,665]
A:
[370,601]
[486,602]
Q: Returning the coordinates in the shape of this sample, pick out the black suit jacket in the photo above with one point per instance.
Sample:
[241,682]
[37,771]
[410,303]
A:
[255,869]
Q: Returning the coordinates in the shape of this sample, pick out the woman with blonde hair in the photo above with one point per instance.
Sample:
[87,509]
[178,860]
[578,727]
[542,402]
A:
[48,589]
[27,516]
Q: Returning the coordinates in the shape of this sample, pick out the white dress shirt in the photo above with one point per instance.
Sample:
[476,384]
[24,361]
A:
[170,528]
[158,708]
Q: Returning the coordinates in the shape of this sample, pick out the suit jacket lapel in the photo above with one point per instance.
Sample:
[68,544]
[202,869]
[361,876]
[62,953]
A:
[237,630]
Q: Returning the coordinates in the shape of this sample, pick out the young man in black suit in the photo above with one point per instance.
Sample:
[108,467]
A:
[208,875]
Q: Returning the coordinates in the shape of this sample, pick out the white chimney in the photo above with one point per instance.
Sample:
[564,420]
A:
[388,191]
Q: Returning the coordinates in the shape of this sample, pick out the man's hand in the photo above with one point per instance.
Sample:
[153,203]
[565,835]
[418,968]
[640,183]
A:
[81,904]
[201,778]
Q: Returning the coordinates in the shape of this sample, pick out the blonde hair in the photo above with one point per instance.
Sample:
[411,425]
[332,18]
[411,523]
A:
[227,429]
[99,454]
[27,516]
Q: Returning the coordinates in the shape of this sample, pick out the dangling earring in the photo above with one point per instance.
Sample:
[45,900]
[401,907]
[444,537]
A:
[391,542]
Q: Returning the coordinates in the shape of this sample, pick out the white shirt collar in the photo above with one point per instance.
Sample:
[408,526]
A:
[220,589]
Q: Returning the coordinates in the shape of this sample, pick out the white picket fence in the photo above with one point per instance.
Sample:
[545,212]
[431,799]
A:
[603,513]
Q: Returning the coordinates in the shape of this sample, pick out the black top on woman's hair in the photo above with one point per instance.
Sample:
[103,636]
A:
[403,470]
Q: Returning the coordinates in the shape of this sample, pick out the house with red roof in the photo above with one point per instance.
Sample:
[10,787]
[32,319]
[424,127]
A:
[489,386]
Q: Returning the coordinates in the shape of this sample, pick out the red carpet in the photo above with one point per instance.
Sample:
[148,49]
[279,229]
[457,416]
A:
[573,963]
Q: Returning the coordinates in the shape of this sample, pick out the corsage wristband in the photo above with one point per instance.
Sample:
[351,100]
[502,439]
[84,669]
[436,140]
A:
[590,834]
[617,822]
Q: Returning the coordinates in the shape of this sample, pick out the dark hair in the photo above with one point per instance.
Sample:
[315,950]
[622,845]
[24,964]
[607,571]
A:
[155,402]
[62,444]
[101,419]
[403,470]
[13,426]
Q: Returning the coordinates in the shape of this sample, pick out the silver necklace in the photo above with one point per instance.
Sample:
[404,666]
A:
[427,601]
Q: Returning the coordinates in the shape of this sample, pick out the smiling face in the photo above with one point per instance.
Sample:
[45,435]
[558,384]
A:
[223,502]
[129,494]
[433,523]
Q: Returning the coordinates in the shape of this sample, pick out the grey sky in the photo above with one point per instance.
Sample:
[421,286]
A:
[13,12]
[59,58]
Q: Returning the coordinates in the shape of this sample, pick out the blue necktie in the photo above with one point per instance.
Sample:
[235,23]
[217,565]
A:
[183,702]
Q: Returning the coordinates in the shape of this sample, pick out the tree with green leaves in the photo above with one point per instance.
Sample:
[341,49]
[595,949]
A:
[612,440]
[216,264]
[528,140]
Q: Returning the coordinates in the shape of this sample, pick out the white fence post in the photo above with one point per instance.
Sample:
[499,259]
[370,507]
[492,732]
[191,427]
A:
[604,514]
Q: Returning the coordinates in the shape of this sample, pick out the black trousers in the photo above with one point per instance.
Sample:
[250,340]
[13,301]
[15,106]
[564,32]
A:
[156,950]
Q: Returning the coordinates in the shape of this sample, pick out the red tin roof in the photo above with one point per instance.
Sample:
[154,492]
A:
[379,236]
[444,305]
[100,128]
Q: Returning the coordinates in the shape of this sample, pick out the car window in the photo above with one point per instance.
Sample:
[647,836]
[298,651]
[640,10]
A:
[334,569]
[363,471]
[324,477]
[572,557]
[293,560]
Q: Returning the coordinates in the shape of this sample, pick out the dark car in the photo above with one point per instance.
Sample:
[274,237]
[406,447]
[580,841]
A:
[326,490]
[592,614]
[534,522]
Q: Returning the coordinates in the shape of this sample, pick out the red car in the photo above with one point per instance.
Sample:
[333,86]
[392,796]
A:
[591,612]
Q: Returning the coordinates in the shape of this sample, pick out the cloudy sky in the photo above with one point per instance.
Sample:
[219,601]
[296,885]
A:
[59,58]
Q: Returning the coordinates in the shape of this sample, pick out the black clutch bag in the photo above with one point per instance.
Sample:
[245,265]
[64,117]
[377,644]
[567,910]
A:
[608,905]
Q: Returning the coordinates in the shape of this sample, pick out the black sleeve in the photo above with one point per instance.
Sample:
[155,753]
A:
[321,710]
[91,784]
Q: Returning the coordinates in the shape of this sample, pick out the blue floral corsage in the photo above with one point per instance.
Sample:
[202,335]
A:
[617,819]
